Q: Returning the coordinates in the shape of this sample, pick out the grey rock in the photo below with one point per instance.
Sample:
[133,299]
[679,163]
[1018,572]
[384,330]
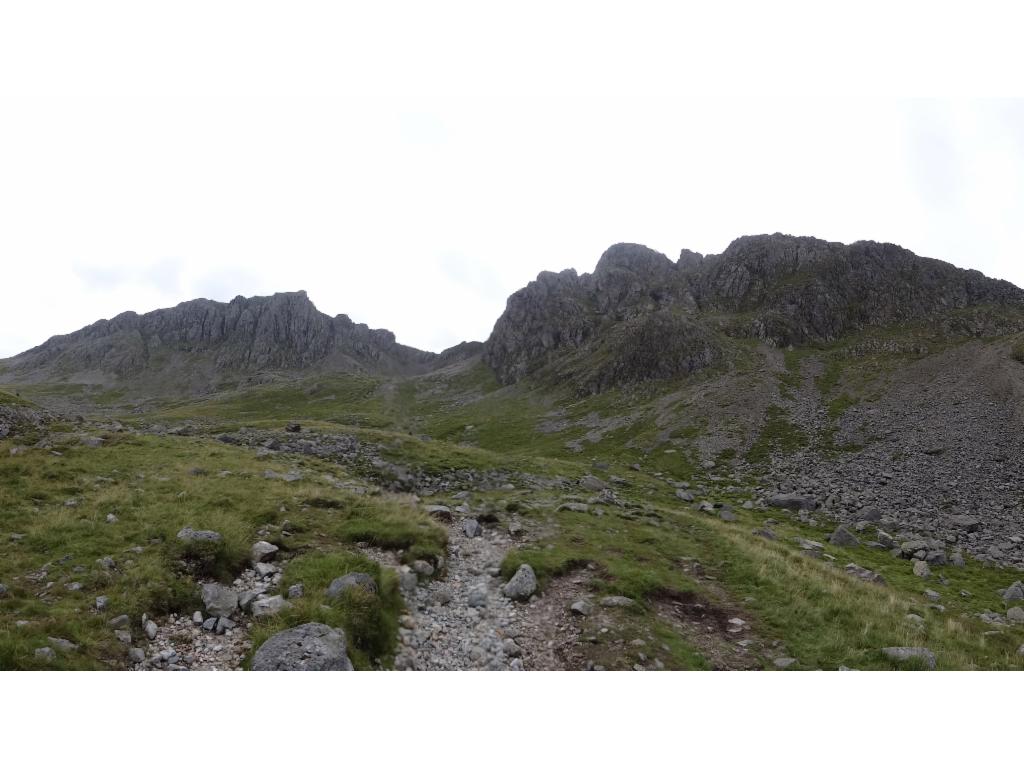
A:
[477,596]
[136,655]
[106,563]
[197,618]
[423,568]
[151,629]
[268,606]
[591,483]
[792,501]
[102,601]
[265,570]
[309,647]
[903,654]
[191,535]
[295,591]
[350,581]
[1016,614]
[119,622]
[581,608]
[223,625]
[966,523]
[515,528]
[62,645]
[123,636]
[1014,593]
[472,528]
[617,601]
[921,569]
[573,506]
[522,585]
[219,600]
[440,511]
[841,537]
[45,653]
[263,552]
[727,516]
[511,648]
[783,662]
[683,495]
[210,625]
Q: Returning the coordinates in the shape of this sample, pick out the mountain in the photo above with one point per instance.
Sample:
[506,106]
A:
[641,316]
[201,343]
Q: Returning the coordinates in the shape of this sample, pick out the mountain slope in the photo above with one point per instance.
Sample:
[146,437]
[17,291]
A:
[200,343]
[640,316]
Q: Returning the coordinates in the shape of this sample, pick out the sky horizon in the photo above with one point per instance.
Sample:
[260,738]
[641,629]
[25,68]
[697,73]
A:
[412,167]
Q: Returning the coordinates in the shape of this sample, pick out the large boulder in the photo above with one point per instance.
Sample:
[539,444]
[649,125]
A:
[306,648]
[263,552]
[522,585]
[792,501]
[268,606]
[219,600]
[841,537]
[908,654]
[192,536]
[350,581]
[1014,593]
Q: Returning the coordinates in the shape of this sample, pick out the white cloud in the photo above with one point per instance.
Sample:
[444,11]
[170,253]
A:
[412,167]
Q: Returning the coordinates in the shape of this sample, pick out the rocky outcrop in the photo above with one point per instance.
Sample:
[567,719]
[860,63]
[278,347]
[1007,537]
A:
[641,316]
[202,341]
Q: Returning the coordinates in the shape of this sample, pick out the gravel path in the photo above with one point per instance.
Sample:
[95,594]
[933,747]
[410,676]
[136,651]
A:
[463,621]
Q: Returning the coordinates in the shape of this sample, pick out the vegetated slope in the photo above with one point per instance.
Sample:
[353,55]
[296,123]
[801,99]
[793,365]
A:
[640,316]
[678,504]
[199,344]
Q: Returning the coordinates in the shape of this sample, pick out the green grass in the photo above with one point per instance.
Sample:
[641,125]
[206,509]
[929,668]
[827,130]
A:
[156,486]
[778,435]
[370,621]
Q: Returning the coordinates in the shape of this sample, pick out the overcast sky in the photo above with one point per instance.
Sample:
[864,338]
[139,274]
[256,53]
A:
[412,166]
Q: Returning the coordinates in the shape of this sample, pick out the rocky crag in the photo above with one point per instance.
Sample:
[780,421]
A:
[641,316]
[200,343]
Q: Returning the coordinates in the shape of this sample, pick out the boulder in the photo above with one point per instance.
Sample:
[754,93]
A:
[263,552]
[349,581]
[581,608]
[190,535]
[841,537]
[907,654]
[219,600]
[439,511]
[617,601]
[792,501]
[268,606]
[1014,593]
[684,495]
[591,483]
[522,585]
[472,528]
[965,523]
[921,569]
[1016,614]
[306,648]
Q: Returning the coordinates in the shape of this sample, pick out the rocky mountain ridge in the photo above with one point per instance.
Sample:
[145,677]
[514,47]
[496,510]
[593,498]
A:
[641,316]
[207,340]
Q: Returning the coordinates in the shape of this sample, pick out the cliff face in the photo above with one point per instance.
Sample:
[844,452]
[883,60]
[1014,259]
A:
[641,316]
[280,332]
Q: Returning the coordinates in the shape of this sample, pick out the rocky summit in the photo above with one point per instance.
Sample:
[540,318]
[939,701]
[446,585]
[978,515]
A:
[202,343]
[792,455]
